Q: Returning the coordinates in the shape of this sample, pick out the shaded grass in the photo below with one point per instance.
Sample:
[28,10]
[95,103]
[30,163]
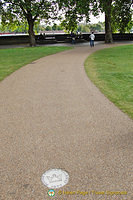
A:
[112,72]
[13,59]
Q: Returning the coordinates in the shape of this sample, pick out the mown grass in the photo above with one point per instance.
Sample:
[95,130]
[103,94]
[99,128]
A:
[13,59]
[112,72]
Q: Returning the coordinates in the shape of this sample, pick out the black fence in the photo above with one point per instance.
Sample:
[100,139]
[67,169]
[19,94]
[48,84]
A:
[83,37]
[61,38]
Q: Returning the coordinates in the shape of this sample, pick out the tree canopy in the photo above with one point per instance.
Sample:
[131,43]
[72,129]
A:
[74,12]
[31,10]
[118,14]
[121,19]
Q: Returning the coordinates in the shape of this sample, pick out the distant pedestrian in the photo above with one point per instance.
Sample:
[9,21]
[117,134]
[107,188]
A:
[73,37]
[92,38]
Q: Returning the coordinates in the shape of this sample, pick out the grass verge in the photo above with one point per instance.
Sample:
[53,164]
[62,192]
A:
[13,59]
[111,70]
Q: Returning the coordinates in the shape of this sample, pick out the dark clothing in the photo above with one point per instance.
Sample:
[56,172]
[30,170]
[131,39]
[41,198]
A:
[73,38]
[92,43]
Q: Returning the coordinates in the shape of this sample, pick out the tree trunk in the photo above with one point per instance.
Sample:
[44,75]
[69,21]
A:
[108,30]
[31,33]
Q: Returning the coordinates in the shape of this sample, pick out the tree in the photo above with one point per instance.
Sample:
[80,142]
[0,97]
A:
[54,27]
[77,10]
[84,28]
[106,7]
[17,28]
[99,27]
[74,12]
[48,28]
[0,5]
[31,10]
[121,16]
[117,14]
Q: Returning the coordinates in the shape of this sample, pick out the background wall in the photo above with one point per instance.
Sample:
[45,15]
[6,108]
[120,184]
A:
[50,39]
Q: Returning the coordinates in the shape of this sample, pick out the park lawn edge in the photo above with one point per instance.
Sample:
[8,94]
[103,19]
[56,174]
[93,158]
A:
[100,84]
[32,59]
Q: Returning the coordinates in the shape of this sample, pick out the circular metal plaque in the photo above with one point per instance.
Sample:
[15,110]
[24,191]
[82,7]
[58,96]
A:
[55,178]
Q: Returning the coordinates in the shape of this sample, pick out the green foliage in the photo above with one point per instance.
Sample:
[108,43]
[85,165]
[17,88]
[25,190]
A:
[54,27]
[121,13]
[48,28]
[17,27]
[118,13]
[122,16]
[0,7]
[30,10]
[98,27]
[59,28]
[83,28]
[22,27]
[37,27]
[69,24]
[74,12]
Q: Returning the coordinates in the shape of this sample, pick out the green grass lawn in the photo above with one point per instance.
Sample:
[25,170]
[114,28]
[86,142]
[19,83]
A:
[112,72]
[13,59]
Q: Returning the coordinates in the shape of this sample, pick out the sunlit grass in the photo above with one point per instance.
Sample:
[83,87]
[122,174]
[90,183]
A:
[13,59]
[112,72]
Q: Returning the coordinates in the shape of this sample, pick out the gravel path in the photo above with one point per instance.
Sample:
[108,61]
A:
[52,116]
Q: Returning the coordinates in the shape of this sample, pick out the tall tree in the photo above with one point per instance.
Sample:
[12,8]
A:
[106,7]
[117,14]
[0,6]
[74,11]
[77,10]
[31,10]
[121,18]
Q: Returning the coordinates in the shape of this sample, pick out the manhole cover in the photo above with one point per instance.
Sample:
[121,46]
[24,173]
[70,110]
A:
[55,178]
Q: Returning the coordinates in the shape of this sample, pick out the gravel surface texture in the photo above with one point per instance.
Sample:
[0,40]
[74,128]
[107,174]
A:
[52,116]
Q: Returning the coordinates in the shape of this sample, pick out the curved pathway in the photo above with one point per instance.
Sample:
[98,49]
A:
[52,116]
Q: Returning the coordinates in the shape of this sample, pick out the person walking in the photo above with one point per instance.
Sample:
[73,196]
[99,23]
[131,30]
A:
[73,37]
[92,38]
